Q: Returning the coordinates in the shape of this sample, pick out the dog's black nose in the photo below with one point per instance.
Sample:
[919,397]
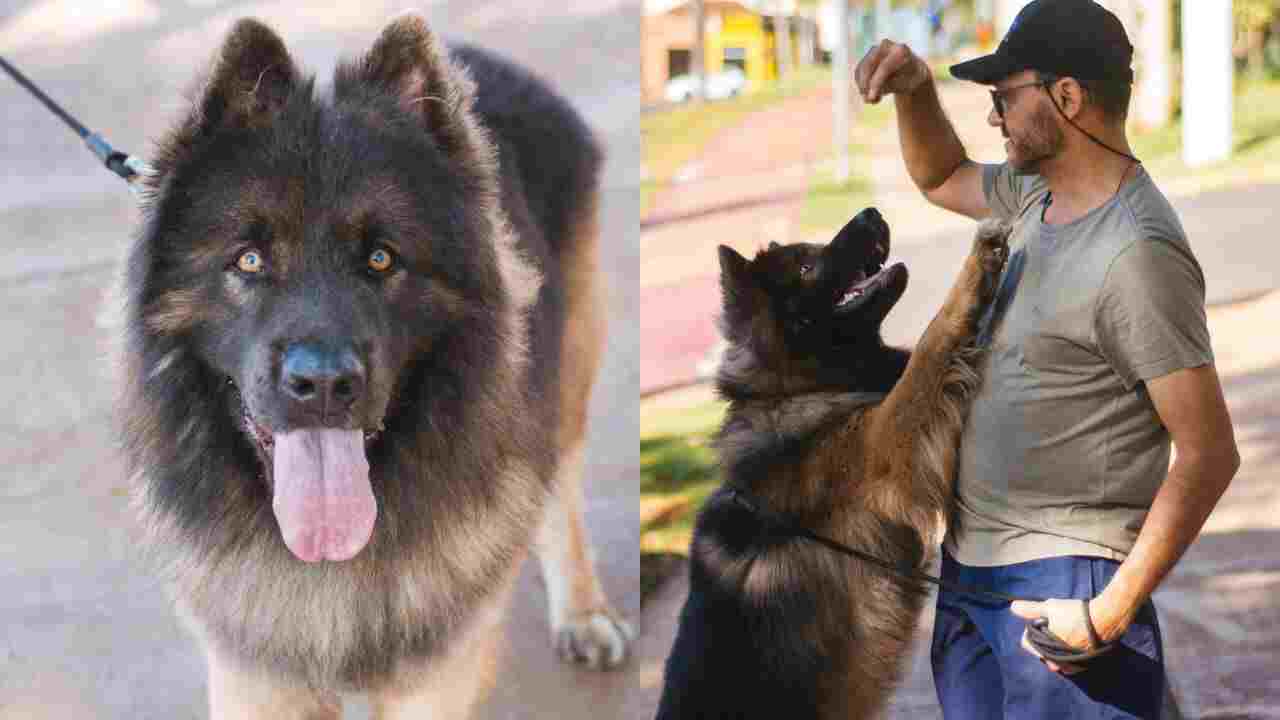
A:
[321,380]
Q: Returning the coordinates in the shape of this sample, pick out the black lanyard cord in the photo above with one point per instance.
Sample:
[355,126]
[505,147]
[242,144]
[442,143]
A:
[1048,644]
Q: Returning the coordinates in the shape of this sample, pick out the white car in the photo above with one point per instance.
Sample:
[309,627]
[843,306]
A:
[720,85]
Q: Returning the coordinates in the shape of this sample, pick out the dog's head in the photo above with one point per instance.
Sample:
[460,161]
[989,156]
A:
[812,303]
[317,275]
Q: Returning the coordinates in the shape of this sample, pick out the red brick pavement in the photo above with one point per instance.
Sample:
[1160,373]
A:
[769,154]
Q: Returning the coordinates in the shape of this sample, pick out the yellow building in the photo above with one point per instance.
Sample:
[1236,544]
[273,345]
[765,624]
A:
[736,35]
[739,37]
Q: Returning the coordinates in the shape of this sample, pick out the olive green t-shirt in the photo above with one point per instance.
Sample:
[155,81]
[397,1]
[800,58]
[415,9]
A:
[1063,451]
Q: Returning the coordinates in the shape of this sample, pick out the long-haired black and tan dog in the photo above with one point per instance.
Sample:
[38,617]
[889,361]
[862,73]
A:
[830,430]
[360,330]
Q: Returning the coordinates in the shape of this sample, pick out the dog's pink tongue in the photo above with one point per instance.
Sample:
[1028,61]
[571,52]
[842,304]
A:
[323,500]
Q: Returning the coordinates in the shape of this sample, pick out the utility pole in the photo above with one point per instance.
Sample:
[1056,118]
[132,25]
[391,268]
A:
[840,92]
[699,59]
[1206,81]
[782,33]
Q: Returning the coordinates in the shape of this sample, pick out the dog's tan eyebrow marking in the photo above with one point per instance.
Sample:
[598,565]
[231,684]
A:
[175,311]
[225,220]
[381,204]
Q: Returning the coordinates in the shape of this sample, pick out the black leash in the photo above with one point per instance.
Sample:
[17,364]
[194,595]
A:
[1048,644]
[122,164]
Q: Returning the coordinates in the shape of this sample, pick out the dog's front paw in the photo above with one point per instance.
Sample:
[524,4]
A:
[991,248]
[598,639]
[991,245]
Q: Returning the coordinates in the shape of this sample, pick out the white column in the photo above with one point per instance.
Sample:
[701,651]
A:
[1153,94]
[1206,81]
[841,80]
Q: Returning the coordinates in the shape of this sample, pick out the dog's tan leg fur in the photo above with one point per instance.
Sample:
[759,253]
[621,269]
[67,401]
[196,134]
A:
[583,625]
[239,694]
[938,376]
[953,327]
[450,686]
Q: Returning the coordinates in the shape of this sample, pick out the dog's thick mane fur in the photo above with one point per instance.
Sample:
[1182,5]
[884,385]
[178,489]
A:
[763,432]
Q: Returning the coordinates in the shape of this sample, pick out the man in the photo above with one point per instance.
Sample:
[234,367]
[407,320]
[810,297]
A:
[1099,358]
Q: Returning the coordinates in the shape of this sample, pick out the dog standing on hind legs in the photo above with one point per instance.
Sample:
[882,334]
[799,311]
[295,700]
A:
[835,432]
[350,320]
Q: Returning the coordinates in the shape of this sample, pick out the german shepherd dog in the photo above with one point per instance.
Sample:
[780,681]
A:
[833,431]
[360,331]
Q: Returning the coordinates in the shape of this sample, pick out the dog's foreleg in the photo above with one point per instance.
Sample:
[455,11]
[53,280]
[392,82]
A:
[584,626]
[450,686]
[951,330]
[926,408]
[239,693]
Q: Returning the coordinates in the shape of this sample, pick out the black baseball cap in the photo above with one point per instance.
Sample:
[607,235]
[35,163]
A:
[1067,38]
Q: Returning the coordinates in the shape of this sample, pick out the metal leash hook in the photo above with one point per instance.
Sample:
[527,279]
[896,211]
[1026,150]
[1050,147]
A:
[130,168]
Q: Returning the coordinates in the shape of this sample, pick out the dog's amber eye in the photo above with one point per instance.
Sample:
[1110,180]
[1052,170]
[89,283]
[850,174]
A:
[250,261]
[380,260]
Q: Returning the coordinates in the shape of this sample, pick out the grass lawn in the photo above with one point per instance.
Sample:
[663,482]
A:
[1255,134]
[671,137]
[677,473]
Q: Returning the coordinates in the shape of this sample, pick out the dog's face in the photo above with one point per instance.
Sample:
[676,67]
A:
[812,299]
[318,259]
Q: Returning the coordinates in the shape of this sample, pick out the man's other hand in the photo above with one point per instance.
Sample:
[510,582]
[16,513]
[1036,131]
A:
[1066,621]
[888,68]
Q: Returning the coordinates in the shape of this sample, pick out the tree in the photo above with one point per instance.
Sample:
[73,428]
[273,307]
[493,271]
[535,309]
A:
[1252,19]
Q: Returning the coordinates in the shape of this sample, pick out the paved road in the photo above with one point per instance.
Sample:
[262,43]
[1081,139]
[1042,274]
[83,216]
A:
[87,632]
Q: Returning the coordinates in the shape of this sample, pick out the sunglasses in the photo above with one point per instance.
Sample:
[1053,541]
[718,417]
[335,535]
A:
[998,97]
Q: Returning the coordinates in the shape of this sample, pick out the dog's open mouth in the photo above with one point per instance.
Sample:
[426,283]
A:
[265,439]
[866,282]
[321,494]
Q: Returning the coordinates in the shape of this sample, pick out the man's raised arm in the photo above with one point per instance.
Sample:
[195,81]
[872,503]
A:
[932,151]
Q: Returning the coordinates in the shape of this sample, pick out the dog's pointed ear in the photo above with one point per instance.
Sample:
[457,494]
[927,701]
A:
[738,290]
[252,79]
[409,62]
[734,270]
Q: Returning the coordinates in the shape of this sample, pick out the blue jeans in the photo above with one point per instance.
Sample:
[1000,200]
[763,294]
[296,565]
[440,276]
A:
[981,671]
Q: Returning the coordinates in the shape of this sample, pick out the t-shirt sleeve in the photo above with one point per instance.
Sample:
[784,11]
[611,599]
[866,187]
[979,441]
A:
[1150,318]
[1003,189]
